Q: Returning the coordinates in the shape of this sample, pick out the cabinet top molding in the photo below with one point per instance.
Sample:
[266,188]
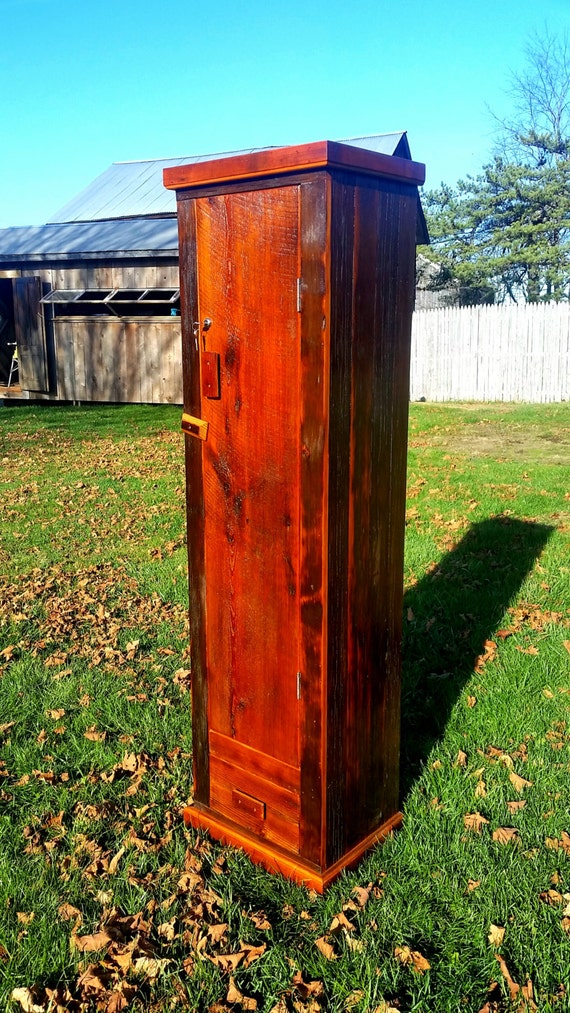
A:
[296,158]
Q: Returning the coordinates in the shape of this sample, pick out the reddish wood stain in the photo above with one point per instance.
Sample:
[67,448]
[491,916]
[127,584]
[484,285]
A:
[296,497]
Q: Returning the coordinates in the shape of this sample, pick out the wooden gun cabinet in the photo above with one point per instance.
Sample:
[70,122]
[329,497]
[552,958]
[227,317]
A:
[297,270]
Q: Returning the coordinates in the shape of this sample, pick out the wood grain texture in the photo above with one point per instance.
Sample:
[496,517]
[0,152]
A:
[251,464]
[249,758]
[277,859]
[194,503]
[296,158]
[314,388]
[273,813]
[341,409]
[367,505]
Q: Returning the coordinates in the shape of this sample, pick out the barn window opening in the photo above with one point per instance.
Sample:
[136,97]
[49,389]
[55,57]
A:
[94,295]
[119,302]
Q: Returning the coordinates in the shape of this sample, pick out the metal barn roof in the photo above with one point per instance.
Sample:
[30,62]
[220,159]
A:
[112,216]
[157,237]
[128,189]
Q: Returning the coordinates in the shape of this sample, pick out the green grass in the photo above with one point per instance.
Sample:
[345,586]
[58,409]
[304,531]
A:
[95,739]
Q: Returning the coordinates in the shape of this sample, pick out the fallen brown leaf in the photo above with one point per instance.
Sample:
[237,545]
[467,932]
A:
[307,989]
[353,998]
[355,945]
[27,999]
[489,654]
[514,807]
[474,821]
[412,958]
[166,930]
[325,948]
[92,942]
[114,863]
[91,981]
[252,953]
[496,935]
[563,843]
[234,996]
[69,913]
[150,967]
[259,920]
[340,922]
[519,783]
[93,735]
[526,992]
[512,985]
[362,894]
[506,835]
[552,897]
[231,961]
[217,932]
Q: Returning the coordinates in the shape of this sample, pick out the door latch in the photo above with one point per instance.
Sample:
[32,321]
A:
[206,324]
[194,427]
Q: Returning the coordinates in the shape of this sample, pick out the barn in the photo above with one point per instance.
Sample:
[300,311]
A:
[90,300]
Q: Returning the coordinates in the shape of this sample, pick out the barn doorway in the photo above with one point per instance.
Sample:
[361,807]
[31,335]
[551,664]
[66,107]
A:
[7,331]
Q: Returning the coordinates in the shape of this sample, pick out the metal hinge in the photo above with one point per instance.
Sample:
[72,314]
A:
[298,295]
[298,685]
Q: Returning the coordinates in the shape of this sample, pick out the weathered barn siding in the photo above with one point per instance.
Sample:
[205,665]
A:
[119,360]
[92,274]
[107,358]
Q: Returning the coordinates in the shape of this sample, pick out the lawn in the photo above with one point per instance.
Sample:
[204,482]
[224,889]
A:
[108,903]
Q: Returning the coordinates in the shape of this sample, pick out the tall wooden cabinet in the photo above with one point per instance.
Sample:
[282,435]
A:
[297,270]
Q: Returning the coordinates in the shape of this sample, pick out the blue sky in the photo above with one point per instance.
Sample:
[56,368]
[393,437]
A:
[87,84]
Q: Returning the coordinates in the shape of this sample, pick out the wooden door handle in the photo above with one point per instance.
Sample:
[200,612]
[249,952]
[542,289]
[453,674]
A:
[194,427]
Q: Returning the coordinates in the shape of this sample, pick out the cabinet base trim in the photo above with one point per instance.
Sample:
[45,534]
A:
[273,858]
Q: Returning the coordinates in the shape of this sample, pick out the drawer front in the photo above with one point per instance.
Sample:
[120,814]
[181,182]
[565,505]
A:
[241,790]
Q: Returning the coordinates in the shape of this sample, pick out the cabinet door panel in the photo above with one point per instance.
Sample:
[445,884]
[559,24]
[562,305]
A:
[247,291]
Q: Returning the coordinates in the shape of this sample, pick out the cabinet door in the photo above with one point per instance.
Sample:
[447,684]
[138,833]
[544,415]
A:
[248,265]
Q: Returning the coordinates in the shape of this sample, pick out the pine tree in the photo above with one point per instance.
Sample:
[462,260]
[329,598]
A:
[505,233]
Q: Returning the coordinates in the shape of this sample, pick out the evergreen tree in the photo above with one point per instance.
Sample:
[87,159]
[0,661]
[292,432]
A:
[505,233]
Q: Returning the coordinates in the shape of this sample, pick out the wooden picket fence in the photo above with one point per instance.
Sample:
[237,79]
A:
[492,353]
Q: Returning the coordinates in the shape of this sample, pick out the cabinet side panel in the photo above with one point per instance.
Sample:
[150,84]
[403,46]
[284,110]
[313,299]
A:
[194,501]
[382,304]
[342,246]
[314,454]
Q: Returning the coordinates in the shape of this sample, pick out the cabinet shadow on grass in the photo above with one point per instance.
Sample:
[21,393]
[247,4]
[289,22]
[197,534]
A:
[454,609]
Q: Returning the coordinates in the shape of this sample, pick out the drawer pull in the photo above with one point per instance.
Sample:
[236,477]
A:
[248,804]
